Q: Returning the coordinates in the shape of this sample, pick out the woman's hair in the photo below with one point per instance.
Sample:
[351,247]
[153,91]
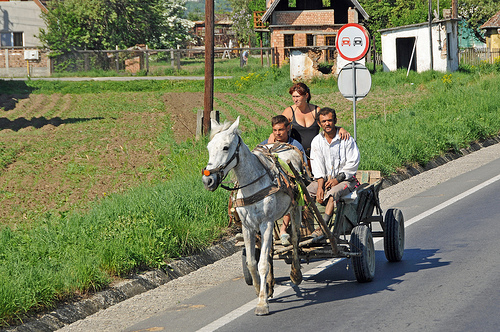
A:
[302,89]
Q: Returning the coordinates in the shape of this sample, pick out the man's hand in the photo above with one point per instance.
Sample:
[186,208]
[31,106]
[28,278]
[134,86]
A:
[331,183]
[320,194]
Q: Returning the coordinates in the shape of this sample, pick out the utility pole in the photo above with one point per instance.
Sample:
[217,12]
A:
[209,65]
[430,34]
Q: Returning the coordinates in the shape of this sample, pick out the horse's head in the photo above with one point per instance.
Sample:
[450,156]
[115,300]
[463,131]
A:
[223,150]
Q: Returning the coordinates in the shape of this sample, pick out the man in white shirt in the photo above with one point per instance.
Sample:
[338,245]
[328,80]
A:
[334,163]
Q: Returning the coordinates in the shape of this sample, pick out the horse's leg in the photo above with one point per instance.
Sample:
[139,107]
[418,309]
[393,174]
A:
[266,230]
[249,238]
[295,274]
[270,276]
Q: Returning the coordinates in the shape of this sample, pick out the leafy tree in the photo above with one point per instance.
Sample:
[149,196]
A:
[409,12]
[103,24]
[476,13]
[242,18]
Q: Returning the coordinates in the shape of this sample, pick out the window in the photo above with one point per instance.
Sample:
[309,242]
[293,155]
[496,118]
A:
[288,42]
[310,40]
[18,38]
[292,3]
[326,3]
[11,39]
[330,53]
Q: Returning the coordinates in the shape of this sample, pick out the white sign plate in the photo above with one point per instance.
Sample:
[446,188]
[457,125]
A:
[362,83]
[352,42]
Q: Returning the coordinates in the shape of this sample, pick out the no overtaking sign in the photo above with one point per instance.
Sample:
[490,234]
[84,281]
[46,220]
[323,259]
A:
[352,42]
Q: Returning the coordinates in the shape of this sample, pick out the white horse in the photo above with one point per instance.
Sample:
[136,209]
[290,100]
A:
[260,204]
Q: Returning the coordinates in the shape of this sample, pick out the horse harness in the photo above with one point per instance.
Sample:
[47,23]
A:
[282,181]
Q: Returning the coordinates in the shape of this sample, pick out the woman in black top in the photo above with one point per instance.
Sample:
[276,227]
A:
[302,116]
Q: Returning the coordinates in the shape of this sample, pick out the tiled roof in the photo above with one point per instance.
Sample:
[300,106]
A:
[493,22]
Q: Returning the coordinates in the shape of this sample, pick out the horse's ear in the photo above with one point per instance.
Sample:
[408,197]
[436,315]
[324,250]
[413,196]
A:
[235,125]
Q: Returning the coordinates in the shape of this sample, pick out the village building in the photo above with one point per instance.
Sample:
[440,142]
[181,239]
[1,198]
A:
[492,33]
[20,54]
[309,27]
[421,47]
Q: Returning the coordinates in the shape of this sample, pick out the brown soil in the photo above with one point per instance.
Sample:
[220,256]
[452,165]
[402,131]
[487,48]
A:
[35,183]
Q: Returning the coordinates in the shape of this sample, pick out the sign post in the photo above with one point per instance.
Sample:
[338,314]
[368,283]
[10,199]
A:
[352,43]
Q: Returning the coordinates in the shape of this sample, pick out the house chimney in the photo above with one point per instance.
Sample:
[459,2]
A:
[454,9]
[352,15]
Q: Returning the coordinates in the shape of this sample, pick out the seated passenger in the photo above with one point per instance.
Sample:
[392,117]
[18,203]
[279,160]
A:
[281,130]
[334,163]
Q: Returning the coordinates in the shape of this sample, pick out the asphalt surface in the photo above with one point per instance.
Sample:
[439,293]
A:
[139,300]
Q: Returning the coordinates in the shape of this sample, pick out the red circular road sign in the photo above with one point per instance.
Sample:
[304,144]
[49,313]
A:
[352,42]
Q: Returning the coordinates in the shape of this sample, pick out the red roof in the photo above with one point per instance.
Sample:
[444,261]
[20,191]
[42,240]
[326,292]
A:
[493,22]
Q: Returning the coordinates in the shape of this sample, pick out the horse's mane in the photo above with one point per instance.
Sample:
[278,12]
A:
[217,128]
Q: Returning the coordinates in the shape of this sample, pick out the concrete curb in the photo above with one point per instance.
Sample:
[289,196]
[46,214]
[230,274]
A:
[138,284]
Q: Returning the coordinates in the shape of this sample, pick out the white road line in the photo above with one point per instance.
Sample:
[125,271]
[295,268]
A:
[331,262]
[451,201]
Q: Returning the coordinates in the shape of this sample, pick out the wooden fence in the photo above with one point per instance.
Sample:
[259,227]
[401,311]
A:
[141,59]
[476,56]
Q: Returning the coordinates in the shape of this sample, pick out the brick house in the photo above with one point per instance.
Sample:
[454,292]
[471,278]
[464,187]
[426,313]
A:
[309,24]
[20,21]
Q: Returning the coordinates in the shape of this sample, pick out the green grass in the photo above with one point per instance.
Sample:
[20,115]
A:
[58,254]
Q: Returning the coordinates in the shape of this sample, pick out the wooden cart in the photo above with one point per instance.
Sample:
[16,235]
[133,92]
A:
[358,218]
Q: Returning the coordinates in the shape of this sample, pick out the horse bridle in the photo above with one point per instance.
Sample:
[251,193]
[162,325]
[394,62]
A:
[219,171]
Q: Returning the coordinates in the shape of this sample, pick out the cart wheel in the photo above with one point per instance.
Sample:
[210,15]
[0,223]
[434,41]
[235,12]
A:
[364,265]
[246,271]
[394,237]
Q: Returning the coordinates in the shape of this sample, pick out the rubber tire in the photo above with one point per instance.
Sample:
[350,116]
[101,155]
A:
[246,271]
[364,265]
[394,236]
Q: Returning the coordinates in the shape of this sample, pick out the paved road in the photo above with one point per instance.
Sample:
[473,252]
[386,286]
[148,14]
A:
[447,281]
[117,78]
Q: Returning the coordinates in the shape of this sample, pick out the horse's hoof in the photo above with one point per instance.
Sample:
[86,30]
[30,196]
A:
[262,310]
[296,277]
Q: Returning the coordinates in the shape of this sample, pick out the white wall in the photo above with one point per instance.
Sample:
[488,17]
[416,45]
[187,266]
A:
[421,33]
[22,16]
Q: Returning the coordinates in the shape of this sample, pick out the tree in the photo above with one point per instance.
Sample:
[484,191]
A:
[104,24]
[242,18]
[476,12]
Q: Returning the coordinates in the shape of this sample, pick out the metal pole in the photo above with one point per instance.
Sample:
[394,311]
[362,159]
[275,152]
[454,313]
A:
[353,64]
[209,65]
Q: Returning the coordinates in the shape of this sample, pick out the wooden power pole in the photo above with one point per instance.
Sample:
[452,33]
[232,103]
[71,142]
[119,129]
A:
[209,65]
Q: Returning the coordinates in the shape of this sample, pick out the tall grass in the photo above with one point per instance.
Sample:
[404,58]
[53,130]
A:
[458,110]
